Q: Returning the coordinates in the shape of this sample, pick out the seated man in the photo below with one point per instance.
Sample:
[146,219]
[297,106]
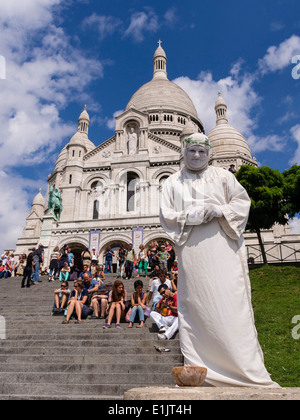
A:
[85,270]
[91,286]
[154,288]
[165,315]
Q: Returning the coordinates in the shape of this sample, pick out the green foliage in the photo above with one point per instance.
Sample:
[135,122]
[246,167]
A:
[265,187]
[275,300]
[292,190]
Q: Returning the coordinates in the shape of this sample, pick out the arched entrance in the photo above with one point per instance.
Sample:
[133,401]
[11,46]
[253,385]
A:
[77,249]
[115,246]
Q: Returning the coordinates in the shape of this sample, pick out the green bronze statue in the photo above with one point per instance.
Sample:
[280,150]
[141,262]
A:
[55,202]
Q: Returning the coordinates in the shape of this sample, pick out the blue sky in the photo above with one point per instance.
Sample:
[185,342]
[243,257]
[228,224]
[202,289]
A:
[62,54]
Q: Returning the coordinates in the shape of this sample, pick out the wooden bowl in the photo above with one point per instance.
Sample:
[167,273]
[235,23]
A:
[189,375]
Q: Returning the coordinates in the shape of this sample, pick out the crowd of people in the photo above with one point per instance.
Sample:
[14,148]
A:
[93,296]
[9,266]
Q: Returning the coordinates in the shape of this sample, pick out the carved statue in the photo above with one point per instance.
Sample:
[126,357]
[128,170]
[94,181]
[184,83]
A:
[132,142]
[55,206]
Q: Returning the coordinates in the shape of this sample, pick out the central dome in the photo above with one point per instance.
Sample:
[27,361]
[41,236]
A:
[162,96]
[161,93]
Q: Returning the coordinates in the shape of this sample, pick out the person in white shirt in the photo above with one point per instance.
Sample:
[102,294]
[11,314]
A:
[155,285]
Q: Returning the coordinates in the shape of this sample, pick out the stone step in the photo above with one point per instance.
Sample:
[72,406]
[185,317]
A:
[44,391]
[60,397]
[69,378]
[106,359]
[78,335]
[43,359]
[91,368]
[96,351]
[125,344]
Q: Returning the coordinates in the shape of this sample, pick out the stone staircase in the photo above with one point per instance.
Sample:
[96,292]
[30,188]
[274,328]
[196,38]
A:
[40,358]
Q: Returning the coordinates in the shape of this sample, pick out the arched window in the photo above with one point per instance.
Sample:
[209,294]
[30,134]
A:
[97,186]
[162,181]
[132,180]
[96,210]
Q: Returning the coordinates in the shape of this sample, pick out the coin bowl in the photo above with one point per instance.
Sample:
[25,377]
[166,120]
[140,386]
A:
[189,375]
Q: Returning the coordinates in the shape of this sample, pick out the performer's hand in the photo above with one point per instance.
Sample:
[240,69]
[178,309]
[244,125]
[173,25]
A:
[195,216]
[210,212]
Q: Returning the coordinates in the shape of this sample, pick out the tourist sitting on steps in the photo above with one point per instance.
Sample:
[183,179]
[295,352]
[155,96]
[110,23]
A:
[138,304]
[61,297]
[78,303]
[165,315]
[64,274]
[99,303]
[116,301]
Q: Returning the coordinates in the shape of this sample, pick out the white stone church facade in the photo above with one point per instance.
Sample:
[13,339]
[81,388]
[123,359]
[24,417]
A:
[111,193]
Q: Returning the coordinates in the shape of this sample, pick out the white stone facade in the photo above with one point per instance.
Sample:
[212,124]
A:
[115,187]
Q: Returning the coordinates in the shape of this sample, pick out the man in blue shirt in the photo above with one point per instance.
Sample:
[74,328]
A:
[85,270]
[91,286]
[108,255]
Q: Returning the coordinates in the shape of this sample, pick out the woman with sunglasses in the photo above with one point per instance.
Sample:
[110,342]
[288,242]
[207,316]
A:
[77,302]
[61,297]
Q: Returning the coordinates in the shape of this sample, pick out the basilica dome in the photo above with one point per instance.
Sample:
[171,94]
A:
[160,95]
[226,140]
[80,138]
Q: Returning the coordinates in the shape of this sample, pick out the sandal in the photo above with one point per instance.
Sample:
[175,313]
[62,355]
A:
[106,326]
[118,326]
[130,326]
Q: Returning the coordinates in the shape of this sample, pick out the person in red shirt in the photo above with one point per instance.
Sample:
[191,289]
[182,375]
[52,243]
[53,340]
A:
[165,315]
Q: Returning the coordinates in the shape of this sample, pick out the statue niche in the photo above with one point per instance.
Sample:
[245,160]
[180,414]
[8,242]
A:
[132,142]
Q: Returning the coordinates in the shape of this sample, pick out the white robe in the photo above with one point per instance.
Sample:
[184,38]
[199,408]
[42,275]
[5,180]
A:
[216,322]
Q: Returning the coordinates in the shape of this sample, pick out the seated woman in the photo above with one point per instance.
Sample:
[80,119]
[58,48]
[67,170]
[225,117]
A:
[61,297]
[64,274]
[99,274]
[101,299]
[138,304]
[116,301]
[78,302]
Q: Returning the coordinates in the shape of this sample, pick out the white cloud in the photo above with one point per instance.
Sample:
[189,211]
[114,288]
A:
[111,123]
[238,92]
[295,131]
[44,72]
[278,58]
[37,86]
[15,208]
[273,142]
[104,25]
[295,225]
[140,23]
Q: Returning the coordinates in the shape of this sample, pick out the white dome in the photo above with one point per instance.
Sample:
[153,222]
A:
[38,199]
[162,94]
[228,141]
[80,138]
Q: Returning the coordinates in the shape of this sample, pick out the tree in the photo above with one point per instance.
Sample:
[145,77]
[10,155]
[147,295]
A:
[265,187]
[292,190]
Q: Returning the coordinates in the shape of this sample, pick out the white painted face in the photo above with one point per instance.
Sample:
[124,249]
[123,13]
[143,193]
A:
[196,157]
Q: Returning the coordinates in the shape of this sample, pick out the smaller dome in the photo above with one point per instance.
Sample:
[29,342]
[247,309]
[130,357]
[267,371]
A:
[220,101]
[38,199]
[84,115]
[228,141]
[189,128]
[160,52]
[61,160]
[81,139]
